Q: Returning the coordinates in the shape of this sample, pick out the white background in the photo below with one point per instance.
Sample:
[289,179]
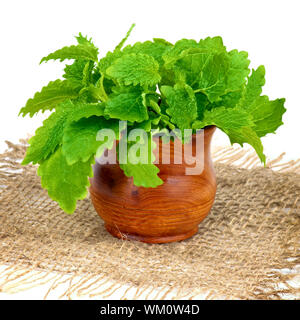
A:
[268,30]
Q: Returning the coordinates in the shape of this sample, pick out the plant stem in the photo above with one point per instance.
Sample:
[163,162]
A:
[102,90]
[198,90]
[155,107]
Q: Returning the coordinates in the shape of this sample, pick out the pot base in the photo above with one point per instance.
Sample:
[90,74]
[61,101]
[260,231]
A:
[149,239]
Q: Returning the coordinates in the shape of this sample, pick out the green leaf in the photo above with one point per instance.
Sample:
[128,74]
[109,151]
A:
[79,72]
[108,85]
[135,69]
[225,119]
[155,49]
[254,86]
[145,125]
[167,77]
[234,81]
[84,40]
[108,60]
[204,72]
[182,105]
[207,68]
[228,100]
[126,103]
[50,96]
[238,70]
[266,114]
[65,184]
[110,57]
[212,45]
[80,51]
[163,42]
[49,136]
[247,135]
[85,110]
[202,103]
[84,133]
[236,123]
[144,174]
[74,72]
[173,54]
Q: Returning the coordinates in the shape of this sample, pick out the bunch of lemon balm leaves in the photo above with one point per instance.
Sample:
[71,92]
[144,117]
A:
[152,85]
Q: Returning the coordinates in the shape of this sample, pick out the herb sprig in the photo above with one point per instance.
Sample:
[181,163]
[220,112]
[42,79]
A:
[152,85]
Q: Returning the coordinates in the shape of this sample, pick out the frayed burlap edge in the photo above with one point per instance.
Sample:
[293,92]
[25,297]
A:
[16,278]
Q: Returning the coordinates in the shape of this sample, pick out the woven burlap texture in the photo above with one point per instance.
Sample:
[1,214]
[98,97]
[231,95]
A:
[247,247]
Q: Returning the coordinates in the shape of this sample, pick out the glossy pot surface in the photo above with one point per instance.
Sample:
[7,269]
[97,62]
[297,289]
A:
[170,212]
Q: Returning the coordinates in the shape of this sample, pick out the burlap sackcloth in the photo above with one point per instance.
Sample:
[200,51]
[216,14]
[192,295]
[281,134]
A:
[247,247]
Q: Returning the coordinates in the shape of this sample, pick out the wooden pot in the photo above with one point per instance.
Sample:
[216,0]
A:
[170,212]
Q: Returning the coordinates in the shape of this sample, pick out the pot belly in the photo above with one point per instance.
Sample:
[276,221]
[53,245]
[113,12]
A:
[170,212]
